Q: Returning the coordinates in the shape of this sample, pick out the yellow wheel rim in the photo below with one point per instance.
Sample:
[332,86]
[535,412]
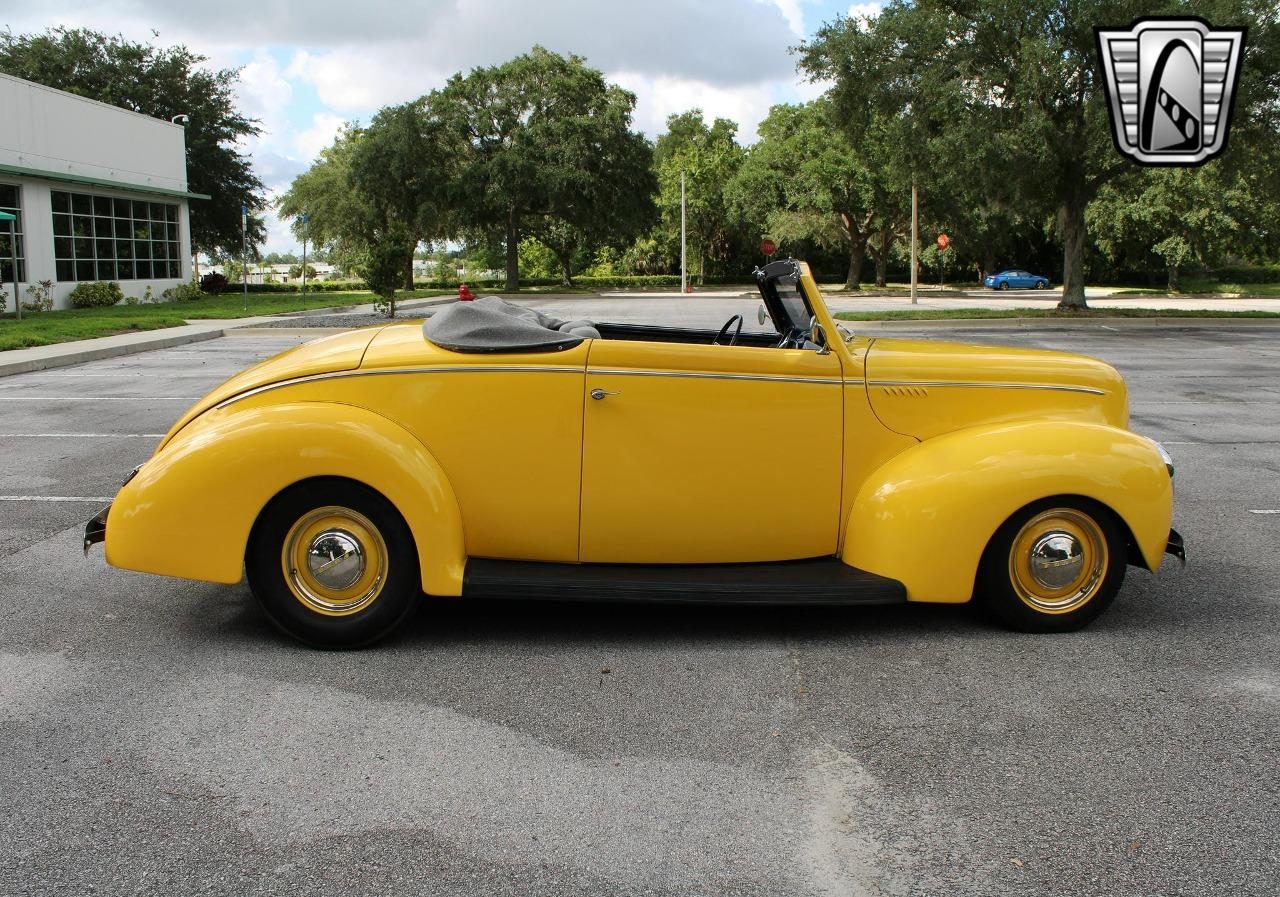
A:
[1058,561]
[335,561]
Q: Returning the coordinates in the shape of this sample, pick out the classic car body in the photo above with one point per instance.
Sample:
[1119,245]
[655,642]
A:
[804,464]
[1016,279]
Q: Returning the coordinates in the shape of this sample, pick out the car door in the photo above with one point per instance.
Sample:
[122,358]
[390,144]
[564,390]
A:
[1023,280]
[709,454]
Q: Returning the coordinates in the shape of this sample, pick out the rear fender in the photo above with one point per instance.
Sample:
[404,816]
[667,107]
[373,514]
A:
[189,510]
[926,516]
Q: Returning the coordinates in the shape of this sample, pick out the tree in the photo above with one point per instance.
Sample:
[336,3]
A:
[339,217]
[805,179]
[548,150]
[161,83]
[709,157]
[297,271]
[1025,73]
[383,265]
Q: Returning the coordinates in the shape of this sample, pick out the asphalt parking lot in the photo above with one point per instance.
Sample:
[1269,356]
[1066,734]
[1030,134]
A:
[158,737]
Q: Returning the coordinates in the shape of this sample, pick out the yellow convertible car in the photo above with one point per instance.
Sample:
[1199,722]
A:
[494,450]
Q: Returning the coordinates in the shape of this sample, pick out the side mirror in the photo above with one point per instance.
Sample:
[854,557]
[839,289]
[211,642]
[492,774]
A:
[818,334]
[762,314]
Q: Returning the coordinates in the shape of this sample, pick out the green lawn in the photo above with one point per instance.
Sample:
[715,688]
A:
[1196,286]
[1060,314]
[47,328]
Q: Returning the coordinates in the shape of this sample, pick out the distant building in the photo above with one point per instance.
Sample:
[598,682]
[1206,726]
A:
[100,192]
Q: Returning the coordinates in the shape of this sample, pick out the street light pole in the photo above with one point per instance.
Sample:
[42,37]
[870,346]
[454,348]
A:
[915,236]
[244,254]
[684,277]
[305,219]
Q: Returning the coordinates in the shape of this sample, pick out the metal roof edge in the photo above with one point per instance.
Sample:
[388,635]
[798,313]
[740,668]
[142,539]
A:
[91,181]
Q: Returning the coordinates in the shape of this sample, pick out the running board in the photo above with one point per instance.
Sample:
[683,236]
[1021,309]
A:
[814,581]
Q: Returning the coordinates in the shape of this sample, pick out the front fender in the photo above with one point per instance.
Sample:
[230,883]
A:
[189,509]
[926,516]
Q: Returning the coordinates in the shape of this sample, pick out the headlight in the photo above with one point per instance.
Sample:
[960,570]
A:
[1165,456]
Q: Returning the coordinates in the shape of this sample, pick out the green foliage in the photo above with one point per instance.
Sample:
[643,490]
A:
[184,292]
[96,294]
[384,266]
[39,296]
[160,82]
[536,260]
[709,157]
[296,272]
[214,283]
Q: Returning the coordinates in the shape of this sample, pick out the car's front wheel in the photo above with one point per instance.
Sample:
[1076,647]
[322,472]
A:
[1053,567]
[333,564]
[1003,285]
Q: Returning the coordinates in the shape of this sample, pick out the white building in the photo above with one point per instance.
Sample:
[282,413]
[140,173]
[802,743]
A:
[100,192]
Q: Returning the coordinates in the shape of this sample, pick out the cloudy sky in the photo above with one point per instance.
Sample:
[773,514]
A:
[308,67]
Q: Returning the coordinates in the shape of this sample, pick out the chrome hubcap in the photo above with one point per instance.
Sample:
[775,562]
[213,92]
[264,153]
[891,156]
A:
[335,559]
[1056,560]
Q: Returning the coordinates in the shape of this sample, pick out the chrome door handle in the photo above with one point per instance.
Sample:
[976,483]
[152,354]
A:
[601,393]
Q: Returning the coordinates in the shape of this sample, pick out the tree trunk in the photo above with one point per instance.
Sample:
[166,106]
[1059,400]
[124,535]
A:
[988,264]
[566,269]
[1073,237]
[408,269]
[1173,279]
[882,256]
[513,254]
[857,253]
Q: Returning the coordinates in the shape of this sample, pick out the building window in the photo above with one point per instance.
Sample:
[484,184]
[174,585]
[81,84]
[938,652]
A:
[103,238]
[11,202]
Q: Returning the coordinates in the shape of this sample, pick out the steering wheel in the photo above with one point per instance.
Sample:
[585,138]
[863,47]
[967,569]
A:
[725,329]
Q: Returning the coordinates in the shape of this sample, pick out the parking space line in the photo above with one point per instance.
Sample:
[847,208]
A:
[84,498]
[81,435]
[4,398]
[1266,511]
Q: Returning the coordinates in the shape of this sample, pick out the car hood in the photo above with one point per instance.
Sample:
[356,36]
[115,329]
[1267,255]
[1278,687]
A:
[327,355]
[923,388]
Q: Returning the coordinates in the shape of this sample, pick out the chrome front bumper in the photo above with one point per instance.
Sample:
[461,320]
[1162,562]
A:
[95,530]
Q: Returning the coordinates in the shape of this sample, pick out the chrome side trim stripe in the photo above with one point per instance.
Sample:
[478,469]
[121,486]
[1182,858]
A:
[988,385]
[709,375]
[342,375]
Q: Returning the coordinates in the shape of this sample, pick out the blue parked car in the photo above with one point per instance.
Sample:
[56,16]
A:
[1017,280]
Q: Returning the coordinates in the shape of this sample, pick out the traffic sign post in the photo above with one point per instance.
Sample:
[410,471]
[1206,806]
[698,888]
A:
[943,242]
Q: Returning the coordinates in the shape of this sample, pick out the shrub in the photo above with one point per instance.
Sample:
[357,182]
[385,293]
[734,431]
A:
[183,292]
[213,282]
[40,296]
[96,294]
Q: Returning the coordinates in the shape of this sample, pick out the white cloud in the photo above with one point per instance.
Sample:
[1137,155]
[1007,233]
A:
[864,10]
[791,11]
[324,127]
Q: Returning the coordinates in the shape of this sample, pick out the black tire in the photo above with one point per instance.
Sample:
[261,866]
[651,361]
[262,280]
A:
[1042,284]
[292,600]
[1003,285]
[1009,593]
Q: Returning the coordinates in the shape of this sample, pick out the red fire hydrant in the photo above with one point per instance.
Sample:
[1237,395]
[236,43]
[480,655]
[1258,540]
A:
[465,294]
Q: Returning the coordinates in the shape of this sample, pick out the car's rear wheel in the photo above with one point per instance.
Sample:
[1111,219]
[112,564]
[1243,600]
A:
[333,564]
[1053,567]
[1042,284]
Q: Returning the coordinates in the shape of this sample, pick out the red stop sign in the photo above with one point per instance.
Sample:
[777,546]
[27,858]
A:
[768,247]
[943,242]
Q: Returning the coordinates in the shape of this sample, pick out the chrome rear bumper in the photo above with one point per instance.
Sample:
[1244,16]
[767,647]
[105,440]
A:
[1176,548]
[95,530]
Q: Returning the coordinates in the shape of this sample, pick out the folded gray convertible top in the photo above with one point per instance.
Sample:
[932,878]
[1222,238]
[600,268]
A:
[492,324]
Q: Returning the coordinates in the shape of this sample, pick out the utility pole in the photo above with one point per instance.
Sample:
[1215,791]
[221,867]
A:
[915,236]
[684,277]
